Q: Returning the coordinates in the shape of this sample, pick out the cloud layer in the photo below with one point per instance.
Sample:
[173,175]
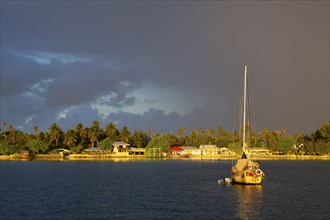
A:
[162,66]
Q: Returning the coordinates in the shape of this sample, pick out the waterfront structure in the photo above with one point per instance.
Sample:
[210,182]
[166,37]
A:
[176,151]
[120,147]
[188,150]
[136,151]
[209,149]
[260,151]
[226,152]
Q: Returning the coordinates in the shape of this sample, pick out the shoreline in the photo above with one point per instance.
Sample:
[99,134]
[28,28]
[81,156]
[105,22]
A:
[112,157]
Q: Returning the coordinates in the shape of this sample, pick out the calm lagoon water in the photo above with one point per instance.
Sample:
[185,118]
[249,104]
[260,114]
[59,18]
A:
[161,189]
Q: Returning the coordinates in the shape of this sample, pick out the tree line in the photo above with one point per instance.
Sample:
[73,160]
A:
[80,138]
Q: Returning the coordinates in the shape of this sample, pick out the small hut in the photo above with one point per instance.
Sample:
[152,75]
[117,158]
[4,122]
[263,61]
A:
[176,151]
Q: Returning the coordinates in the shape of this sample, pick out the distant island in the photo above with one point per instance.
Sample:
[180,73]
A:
[109,142]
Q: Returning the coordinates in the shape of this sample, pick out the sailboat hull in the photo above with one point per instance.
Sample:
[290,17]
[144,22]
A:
[247,172]
[243,178]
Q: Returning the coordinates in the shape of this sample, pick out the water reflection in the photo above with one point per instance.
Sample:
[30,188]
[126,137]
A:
[249,201]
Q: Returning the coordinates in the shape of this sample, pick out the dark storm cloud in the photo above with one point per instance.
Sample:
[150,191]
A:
[199,47]
[78,83]
[69,83]
[18,73]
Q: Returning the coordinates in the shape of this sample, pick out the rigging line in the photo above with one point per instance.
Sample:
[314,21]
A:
[238,121]
[251,113]
[238,91]
[241,112]
[252,97]
[234,115]
[248,114]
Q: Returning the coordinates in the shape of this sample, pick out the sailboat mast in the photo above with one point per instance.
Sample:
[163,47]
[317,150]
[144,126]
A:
[244,105]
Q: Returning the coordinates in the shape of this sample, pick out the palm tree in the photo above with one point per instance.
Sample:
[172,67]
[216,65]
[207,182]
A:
[192,138]
[12,134]
[79,127]
[181,132]
[111,131]
[80,133]
[284,129]
[55,133]
[125,134]
[70,138]
[139,139]
[4,126]
[265,136]
[325,131]
[94,133]
[210,132]
[150,134]
[36,131]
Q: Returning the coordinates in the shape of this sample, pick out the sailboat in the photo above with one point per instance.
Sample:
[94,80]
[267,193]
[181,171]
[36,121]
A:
[246,171]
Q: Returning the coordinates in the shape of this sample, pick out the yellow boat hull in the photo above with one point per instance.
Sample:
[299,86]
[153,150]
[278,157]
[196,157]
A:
[243,178]
[246,172]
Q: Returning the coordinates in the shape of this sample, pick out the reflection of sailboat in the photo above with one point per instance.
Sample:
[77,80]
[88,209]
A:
[246,171]
[249,200]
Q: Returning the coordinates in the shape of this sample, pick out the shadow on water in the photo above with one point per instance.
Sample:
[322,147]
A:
[249,201]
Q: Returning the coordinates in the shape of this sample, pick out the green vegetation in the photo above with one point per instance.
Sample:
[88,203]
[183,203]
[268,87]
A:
[235,147]
[106,144]
[80,137]
[286,144]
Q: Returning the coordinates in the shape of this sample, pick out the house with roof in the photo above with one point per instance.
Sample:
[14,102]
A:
[209,149]
[120,147]
[136,151]
[176,151]
[188,150]
[226,152]
[260,151]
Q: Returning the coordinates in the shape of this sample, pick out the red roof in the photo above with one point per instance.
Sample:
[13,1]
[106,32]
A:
[176,148]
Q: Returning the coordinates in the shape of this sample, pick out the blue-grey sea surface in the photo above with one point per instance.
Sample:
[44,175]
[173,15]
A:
[161,189]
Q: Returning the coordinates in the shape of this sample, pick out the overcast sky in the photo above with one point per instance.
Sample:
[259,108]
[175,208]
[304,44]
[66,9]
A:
[164,65]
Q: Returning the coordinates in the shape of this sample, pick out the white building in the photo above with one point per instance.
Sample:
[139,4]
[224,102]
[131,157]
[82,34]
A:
[188,150]
[120,147]
[209,149]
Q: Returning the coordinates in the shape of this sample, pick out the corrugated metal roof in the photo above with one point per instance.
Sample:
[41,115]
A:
[118,143]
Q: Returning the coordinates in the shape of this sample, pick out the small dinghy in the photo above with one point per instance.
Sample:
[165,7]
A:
[225,181]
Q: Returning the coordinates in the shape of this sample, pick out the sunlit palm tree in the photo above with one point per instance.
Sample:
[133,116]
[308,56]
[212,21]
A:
[210,132]
[70,138]
[36,131]
[94,133]
[150,133]
[125,134]
[55,133]
[12,134]
[139,139]
[111,131]
[80,133]
[4,126]
[265,135]
[325,131]
[284,129]
[181,132]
